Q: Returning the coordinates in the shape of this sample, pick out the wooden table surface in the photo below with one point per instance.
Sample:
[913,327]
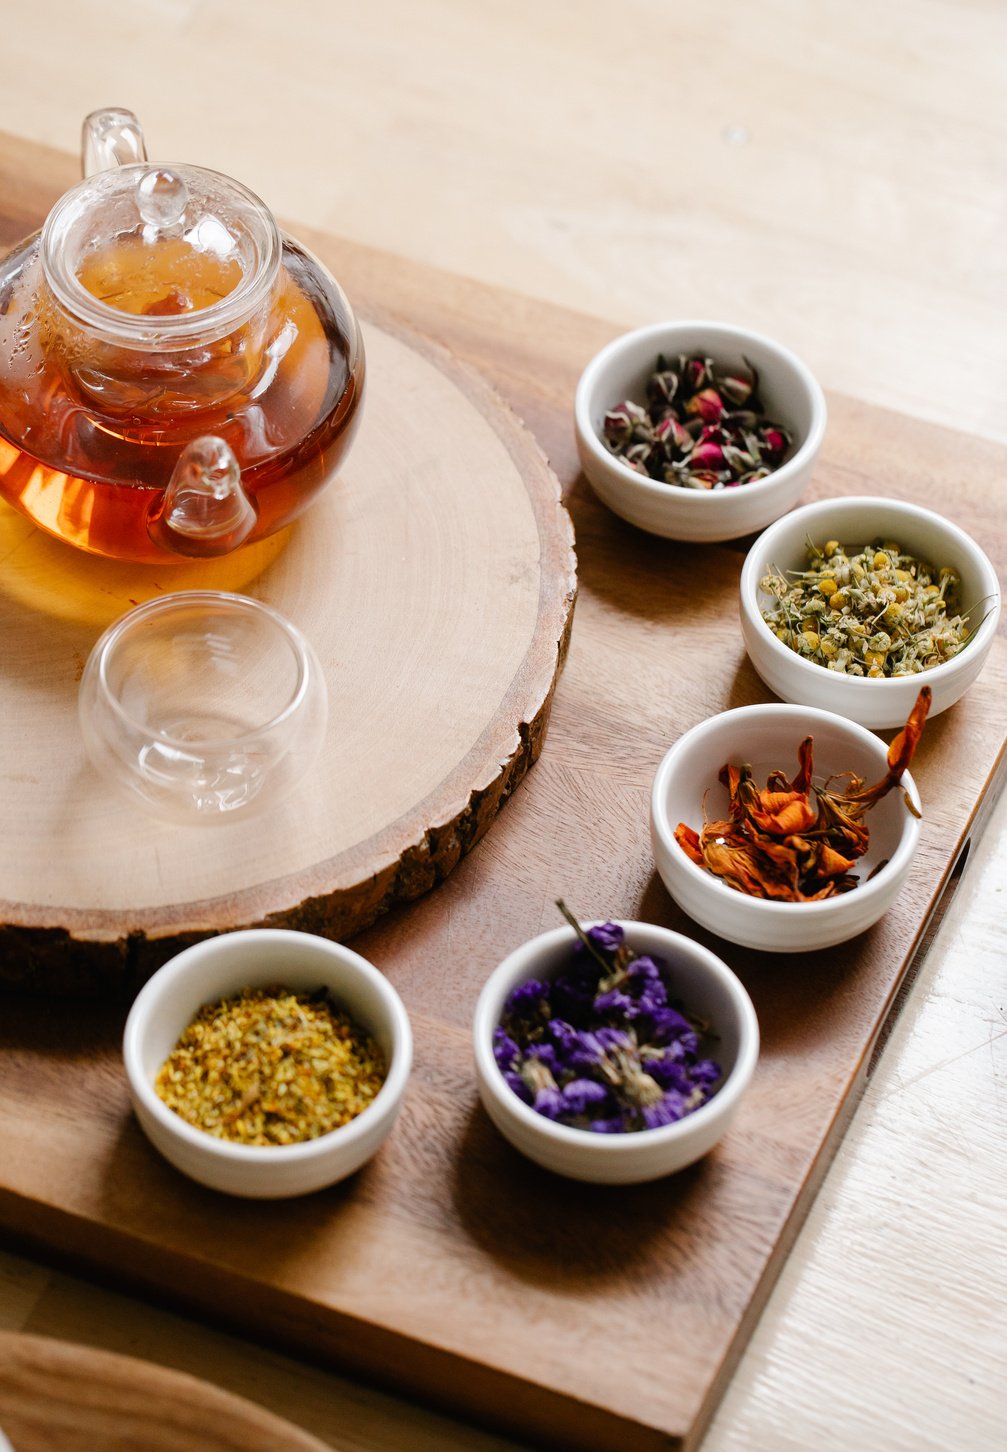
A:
[831,174]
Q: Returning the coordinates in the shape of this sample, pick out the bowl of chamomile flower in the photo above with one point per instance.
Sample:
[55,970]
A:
[851,605]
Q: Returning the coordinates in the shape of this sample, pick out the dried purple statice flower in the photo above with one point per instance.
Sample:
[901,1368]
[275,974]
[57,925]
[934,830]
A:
[600,1047]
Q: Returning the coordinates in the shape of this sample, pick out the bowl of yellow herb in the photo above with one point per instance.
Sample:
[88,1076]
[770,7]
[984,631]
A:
[267,1063]
[850,605]
[698,430]
[784,828]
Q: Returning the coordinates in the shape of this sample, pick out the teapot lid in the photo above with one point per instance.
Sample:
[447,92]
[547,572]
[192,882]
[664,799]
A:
[157,256]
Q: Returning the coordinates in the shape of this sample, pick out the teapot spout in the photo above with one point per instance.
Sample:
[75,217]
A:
[110,138]
[204,511]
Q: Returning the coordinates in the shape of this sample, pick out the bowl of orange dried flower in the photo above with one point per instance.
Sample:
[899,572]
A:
[785,828]
[267,1063]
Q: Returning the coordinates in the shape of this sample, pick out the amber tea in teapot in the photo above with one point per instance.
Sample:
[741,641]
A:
[176,377]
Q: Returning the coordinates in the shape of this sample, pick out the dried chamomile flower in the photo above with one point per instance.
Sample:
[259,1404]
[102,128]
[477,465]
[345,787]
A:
[877,612]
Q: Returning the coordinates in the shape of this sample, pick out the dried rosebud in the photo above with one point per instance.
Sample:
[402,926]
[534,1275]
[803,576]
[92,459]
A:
[707,456]
[707,405]
[662,387]
[774,442]
[696,373]
[671,435]
[638,456]
[736,388]
[739,461]
[622,421]
[699,430]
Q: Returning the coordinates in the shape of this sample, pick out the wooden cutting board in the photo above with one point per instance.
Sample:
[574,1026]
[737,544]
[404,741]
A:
[435,579]
[57,1397]
[580,1317]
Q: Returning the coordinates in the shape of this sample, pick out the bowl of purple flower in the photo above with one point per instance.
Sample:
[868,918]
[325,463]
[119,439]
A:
[615,1053]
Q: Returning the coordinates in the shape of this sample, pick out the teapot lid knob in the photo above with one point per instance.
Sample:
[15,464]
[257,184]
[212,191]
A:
[161,196]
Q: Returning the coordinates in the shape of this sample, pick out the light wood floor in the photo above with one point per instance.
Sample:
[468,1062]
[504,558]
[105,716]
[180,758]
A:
[832,173]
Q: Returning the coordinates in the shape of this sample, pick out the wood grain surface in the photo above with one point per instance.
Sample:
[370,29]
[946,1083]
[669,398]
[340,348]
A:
[56,1397]
[435,579]
[832,173]
[448,1264]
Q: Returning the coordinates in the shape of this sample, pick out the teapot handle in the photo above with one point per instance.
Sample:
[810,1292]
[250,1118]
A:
[110,138]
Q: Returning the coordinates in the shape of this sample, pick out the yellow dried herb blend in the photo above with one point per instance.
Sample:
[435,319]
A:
[269,1067]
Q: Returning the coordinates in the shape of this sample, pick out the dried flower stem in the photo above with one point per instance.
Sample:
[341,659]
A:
[598,957]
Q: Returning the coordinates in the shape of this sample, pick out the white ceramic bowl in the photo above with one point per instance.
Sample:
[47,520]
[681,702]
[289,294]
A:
[883,703]
[210,970]
[790,395]
[707,988]
[767,737]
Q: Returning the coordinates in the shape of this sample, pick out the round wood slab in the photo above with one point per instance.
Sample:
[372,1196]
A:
[436,580]
[55,1397]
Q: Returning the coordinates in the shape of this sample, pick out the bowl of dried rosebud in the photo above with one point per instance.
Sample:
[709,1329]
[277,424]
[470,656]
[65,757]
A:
[784,828]
[698,430]
[267,1063]
[850,605]
[613,1052]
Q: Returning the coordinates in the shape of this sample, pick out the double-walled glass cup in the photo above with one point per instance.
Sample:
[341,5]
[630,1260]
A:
[203,704]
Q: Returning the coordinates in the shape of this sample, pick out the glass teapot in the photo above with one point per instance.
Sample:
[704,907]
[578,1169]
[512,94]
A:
[177,378]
